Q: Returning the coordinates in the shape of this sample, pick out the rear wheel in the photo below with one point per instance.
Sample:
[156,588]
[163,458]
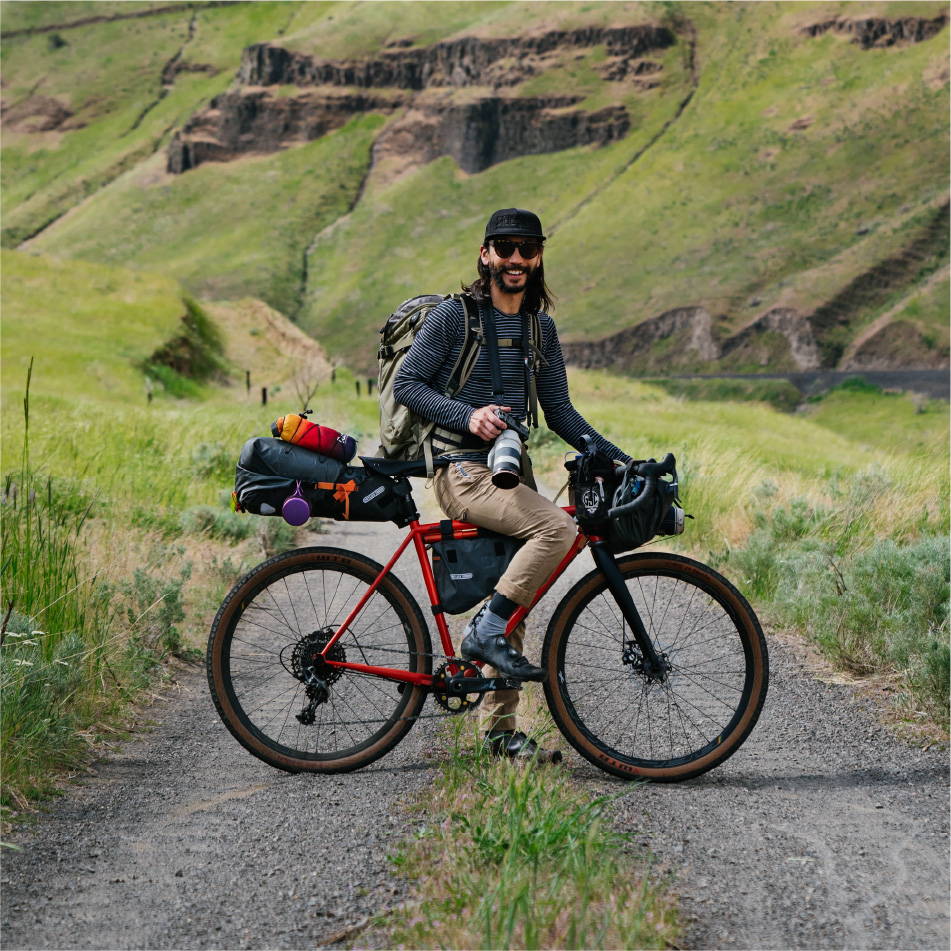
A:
[267,677]
[666,729]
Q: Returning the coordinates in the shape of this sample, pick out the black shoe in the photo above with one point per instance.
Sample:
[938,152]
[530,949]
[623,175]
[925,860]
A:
[516,745]
[496,651]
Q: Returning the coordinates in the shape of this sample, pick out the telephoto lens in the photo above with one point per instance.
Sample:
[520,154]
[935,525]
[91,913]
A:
[505,459]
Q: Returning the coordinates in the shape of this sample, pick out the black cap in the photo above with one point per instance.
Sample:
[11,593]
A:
[514,221]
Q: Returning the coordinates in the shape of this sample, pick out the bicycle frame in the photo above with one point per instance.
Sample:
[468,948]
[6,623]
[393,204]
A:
[421,535]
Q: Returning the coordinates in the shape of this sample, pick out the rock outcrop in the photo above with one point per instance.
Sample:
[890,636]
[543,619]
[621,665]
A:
[493,129]
[685,339]
[477,131]
[899,345]
[247,120]
[467,61]
[878,32]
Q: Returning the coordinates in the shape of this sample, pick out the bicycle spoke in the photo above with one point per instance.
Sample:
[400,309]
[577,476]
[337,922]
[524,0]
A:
[664,721]
[277,660]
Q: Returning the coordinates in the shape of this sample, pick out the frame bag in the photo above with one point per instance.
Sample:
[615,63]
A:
[468,569]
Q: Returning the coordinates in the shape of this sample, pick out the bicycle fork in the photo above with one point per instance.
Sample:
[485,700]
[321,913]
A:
[652,665]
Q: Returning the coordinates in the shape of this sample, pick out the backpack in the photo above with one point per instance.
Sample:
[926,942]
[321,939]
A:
[403,434]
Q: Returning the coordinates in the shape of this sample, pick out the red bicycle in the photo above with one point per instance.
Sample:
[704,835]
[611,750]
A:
[320,659]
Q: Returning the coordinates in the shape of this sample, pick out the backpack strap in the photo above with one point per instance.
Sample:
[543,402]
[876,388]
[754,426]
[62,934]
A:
[531,332]
[492,346]
[473,337]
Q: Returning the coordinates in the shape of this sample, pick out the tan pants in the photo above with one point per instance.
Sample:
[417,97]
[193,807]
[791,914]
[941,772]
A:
[465,492]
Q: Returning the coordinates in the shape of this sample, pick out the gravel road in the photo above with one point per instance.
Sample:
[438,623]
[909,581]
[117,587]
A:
[823,831]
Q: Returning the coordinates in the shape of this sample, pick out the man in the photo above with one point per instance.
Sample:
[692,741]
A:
[512,281]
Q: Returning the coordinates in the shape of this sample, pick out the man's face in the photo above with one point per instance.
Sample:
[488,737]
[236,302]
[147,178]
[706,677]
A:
[511,273]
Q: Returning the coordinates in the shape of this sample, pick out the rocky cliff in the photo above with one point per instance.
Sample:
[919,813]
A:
[485,128]
[877,32]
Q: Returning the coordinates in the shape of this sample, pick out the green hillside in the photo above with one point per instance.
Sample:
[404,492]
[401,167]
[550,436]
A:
[762,167]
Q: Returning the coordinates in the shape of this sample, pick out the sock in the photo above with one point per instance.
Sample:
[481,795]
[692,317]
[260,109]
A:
[491,625]
[501,606]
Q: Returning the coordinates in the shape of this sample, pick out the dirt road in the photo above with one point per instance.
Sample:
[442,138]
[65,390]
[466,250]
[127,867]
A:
[822,832]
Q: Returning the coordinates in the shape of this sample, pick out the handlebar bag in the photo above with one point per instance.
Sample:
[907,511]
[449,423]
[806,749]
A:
[636,528]
[269,471]
[468,569]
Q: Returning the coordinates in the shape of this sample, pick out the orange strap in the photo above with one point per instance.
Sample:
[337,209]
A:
[341,492]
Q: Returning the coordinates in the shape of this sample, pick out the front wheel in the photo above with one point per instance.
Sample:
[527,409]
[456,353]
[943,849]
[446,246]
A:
[661,729]
[265,667]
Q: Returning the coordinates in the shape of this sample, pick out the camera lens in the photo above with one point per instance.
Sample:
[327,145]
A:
[505,460]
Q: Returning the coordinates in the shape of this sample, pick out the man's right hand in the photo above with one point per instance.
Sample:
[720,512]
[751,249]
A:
[485,424]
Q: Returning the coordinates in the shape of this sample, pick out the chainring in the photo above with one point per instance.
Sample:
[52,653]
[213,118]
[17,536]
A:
[455,703]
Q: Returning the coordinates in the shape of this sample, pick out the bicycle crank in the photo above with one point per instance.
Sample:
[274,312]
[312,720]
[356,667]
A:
[464,689]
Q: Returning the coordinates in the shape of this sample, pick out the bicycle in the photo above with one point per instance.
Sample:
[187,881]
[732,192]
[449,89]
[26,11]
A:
[320,659]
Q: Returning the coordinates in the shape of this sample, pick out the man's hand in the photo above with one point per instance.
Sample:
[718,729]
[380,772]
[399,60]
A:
[485,424]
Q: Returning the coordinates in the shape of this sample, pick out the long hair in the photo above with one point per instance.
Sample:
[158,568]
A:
[537,298]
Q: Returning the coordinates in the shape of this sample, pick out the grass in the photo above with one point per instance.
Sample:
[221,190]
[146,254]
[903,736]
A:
[732,207]
[109,76]
[521,858]
[264,209]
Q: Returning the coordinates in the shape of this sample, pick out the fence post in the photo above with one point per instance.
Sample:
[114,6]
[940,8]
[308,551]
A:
[264,396]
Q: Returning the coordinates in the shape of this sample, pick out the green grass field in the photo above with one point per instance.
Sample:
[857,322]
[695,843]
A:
[798,164]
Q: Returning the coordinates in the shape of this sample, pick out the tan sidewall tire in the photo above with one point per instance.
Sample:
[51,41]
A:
[667,565]
[234,604]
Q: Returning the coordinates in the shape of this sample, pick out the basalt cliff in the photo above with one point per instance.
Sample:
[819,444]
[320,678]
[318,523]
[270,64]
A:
[455,98]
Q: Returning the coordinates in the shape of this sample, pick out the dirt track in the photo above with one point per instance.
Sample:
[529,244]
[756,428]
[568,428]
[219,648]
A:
[822,832]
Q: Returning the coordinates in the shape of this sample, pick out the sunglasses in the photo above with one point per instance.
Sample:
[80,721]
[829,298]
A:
[505,248]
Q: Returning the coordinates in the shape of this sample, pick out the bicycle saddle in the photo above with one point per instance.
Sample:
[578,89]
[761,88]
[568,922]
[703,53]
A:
[399,467]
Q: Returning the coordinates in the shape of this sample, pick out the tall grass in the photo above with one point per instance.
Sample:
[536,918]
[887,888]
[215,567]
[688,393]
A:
[524,859]
[67,654]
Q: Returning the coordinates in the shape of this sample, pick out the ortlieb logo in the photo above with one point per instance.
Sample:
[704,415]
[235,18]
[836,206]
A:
[462,576]
[377,491]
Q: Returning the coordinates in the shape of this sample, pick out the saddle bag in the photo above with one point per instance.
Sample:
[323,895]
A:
[468,569]
[270,471]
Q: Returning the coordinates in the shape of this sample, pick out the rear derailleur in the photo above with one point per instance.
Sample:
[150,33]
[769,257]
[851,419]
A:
[310,667]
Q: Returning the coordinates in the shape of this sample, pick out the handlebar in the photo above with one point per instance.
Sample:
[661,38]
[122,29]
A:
[650,471]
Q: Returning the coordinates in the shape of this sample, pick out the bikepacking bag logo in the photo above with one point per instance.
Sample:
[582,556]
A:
[377,491]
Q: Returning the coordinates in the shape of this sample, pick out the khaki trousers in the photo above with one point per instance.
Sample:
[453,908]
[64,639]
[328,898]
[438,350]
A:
[465,492]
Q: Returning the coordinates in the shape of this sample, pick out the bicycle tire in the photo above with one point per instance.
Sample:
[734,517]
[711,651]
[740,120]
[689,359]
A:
[257,638]
[614,715]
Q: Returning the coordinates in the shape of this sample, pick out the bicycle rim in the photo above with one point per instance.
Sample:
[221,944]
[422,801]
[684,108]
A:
[264,639]
[630,725]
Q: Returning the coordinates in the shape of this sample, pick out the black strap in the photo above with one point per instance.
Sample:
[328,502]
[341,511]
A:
[492,345]
[445,528]
[531,412]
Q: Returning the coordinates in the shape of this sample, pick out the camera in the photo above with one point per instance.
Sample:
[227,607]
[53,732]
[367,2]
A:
[505,457]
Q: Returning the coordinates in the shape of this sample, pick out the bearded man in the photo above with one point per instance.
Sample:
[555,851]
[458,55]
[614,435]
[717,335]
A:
[512,282]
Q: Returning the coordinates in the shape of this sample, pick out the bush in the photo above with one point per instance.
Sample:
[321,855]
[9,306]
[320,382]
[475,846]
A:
[217,523]
[871,607]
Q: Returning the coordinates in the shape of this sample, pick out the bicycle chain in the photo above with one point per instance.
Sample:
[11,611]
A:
[419,716]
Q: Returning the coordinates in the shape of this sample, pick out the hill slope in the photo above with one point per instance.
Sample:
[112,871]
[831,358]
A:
[764,184]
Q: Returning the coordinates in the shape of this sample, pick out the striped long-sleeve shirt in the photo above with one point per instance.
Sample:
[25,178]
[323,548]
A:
[421,381]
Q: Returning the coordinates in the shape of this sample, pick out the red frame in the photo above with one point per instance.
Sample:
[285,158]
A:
[422,535]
